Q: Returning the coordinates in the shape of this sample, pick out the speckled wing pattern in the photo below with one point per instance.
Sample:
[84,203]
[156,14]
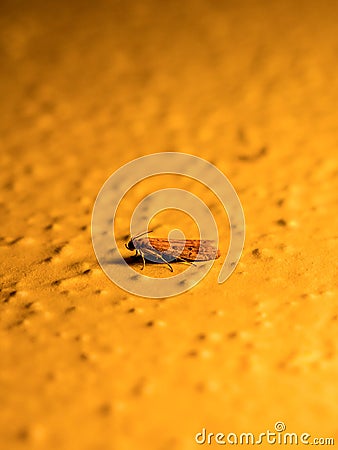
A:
[187,249]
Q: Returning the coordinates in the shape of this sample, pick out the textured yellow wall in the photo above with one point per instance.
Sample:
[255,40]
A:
[87,87]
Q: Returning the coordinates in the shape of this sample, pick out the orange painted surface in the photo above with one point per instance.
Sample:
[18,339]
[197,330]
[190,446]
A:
[86,87]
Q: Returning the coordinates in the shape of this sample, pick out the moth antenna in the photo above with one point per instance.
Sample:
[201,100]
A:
[142,234]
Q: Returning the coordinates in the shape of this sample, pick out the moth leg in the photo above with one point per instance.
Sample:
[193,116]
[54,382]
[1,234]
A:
[184,261]
[164,260]
[160,257]
[144,262]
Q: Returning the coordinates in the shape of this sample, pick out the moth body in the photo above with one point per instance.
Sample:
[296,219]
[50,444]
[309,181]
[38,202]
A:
[164,251]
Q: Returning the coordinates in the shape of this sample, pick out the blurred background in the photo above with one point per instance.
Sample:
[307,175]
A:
[85,87]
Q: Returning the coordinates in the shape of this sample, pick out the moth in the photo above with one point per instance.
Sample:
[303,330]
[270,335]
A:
[162,250]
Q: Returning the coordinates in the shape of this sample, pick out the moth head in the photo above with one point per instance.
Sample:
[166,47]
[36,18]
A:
[130,246]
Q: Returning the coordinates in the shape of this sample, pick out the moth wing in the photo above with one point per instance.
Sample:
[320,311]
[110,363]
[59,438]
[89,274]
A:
[203,250]
[189,249]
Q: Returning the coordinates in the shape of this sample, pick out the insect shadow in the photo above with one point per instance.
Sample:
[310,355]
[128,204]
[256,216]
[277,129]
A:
[133,260]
